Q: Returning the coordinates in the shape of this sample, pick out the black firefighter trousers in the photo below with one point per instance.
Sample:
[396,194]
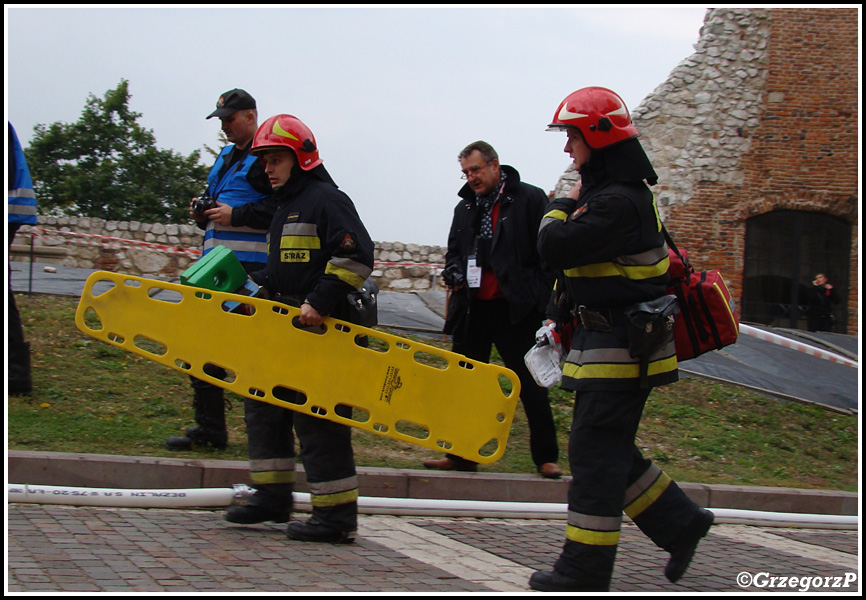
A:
[609,477]
[490,324]
[326,452]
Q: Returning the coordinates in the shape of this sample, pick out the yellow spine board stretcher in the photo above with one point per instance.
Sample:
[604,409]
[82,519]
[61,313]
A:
[396,387]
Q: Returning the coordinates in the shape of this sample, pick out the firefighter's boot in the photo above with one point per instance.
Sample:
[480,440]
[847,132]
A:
[683,548]
[313,530]
[270,502]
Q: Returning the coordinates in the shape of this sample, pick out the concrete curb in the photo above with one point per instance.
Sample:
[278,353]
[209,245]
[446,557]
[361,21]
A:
[136,472]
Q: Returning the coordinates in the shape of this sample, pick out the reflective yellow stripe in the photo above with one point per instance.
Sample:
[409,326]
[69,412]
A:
[612,269]
[557,214]
[646,499]
[617,371]
[728,306]
[656,211]
[353,279]
[642,483]
[592,538]
[334,486]
[334,499]
[615,355]
[300,241]
[273,477]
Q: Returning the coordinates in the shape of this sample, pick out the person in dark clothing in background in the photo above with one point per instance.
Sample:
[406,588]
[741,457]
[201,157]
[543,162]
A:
[500,287]
[821,300]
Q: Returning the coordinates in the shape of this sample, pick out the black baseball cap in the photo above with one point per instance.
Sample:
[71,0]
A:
[232,101]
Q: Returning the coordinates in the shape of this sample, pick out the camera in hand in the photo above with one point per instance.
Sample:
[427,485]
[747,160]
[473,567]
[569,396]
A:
[453,276]
[204,203]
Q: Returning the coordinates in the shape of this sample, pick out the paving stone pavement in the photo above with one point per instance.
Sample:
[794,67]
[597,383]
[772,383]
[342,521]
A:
[58,548]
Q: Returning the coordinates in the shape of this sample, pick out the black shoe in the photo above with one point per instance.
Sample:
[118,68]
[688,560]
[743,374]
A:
[198,436]
[554,581]
[249,514]
[178,443]
[202,436]
[683,548]
[312,530]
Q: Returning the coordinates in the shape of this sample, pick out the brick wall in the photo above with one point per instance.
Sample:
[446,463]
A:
[803,151]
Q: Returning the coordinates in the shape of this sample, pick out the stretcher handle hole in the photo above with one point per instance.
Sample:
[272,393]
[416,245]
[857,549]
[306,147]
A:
[164,295]
[505,385]
[316,329]
[372,343]
[289,395]
[245,310]
[347,411]
[91,319]
[431,360]
[149,345]
[444,444]
[489,449]
[101,286]
[218,372]
[414,430]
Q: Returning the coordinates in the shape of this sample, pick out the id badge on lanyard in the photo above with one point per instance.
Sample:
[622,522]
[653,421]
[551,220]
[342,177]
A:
[473,273]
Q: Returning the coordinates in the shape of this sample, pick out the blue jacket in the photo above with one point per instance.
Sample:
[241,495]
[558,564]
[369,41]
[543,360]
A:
[21,199]
[233,188]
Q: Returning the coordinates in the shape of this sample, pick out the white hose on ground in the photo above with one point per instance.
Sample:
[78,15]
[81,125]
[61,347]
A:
[222,497]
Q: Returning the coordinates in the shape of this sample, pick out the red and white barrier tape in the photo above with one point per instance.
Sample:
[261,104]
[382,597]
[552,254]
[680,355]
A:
[165,249]
[795,345]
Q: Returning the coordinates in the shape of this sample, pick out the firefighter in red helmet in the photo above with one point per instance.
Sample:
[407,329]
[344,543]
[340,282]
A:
[318,252]
[606,239]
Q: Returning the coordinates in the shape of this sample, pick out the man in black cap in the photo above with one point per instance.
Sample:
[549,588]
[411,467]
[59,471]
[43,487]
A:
[237,178]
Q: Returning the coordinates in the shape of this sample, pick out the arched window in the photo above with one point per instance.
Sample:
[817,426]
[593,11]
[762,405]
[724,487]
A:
[784,251]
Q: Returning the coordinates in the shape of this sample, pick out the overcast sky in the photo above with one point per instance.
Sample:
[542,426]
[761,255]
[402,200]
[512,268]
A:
[391,93]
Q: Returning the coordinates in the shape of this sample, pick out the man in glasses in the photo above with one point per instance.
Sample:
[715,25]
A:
[500,287]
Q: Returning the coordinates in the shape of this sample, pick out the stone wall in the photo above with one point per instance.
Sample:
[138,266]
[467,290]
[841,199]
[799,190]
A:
[762,117]
[162,251]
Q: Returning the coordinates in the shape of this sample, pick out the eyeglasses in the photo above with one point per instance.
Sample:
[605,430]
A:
[472,171]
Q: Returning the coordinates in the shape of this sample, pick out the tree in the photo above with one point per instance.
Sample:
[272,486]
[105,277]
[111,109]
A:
[107,165]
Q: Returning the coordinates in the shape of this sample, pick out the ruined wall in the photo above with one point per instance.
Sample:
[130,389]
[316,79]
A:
[762,117]
[163,251]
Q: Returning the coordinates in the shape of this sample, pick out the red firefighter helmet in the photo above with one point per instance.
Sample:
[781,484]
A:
[599,114]
[282,132]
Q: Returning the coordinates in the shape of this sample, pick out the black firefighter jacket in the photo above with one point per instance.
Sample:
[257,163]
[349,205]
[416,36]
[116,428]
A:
[525,281]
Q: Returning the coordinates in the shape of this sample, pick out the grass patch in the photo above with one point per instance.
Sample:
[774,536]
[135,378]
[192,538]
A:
[93,398]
